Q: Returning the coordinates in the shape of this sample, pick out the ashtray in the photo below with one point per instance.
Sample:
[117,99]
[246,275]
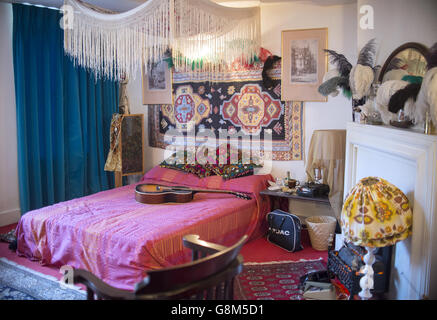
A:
[402,123]
[374,122]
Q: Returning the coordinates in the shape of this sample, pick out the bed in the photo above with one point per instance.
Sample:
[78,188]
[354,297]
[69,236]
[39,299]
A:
[119,239]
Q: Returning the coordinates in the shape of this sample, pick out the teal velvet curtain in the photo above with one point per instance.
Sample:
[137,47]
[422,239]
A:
[63,114]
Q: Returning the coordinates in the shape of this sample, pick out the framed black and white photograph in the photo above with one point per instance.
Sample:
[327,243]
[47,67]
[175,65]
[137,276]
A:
[304,61]
[157,87]
[304,64]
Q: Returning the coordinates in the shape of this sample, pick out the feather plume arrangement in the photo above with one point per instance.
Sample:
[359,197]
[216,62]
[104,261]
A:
[395,63]
[330,74]
[329,87]
[394,74]
[340,73]
[382,100]
[376,70]
[431,58]
[400,97]
[343,65]
[363,74]
[410,111]
[367,55]
[427,97]
[361,79]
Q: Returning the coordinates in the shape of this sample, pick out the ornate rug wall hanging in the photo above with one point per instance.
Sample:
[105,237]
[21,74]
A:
[237,102]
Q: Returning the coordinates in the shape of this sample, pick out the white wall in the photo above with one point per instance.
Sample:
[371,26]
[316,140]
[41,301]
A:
[152,156]
[399,21]
[275,17]
[342,37]
[9,198]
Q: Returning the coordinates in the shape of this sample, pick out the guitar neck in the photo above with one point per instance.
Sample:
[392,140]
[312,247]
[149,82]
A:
[159,188]
[208,190]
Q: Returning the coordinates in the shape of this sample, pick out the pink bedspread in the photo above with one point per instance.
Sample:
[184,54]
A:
[119,239]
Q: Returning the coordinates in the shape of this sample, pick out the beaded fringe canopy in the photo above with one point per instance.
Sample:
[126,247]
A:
[202,36]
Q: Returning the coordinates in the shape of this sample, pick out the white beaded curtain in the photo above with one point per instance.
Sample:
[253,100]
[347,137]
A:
[202,36]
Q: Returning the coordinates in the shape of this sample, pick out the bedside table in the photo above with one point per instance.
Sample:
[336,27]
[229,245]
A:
[303,207]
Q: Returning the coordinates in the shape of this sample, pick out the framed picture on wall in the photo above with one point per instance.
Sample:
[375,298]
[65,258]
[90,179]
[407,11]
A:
[304,64]
[156,81]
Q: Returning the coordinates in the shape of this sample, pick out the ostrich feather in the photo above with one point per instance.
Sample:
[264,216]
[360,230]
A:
[427,97]
[329,87]
[340,61]
[323,88]
[431,58]
[347,93]
[376,70]
[400,97]
[268,64]
[367,54]
[410,111]
[330,74]
[360,80]
[395,64]
[412,79]
[385,92]
[394,74]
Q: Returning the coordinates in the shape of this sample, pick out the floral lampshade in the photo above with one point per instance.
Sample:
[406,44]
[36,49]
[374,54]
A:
[376,214]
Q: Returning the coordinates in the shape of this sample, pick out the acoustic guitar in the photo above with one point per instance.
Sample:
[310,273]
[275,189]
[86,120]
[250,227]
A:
[155,193]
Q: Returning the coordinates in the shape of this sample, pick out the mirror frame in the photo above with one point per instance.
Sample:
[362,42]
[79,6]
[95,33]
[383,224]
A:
[409,45]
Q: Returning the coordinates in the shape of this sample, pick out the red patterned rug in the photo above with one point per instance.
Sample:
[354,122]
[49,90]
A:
[274,280]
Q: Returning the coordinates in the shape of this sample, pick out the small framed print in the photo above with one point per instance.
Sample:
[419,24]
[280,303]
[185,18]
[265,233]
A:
[156,81]
[304,64]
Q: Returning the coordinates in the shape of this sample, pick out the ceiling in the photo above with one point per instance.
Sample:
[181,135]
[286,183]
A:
[124,5]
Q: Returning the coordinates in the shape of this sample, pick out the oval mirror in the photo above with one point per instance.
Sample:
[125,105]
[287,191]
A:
[406,61]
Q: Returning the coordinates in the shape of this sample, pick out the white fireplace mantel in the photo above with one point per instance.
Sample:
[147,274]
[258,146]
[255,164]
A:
[407,159]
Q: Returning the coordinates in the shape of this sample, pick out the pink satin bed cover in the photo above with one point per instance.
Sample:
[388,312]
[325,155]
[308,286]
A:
[119,239]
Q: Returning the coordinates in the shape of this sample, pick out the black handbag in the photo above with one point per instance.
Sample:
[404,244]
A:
[284,230]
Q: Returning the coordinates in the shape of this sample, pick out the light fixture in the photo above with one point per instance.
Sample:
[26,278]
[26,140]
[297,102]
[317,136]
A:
[375,214]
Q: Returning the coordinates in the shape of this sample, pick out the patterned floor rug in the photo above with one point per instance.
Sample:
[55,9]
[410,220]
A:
[274,280]
[21,283]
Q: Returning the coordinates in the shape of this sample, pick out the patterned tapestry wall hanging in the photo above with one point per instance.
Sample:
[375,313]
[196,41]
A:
[238,103]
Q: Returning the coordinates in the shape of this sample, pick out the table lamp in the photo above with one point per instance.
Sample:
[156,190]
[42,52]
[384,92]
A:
[325,163]
[375,214]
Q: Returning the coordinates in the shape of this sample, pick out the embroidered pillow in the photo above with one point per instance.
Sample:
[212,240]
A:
[231,162]
[200,170]
[232,171]
[226,161]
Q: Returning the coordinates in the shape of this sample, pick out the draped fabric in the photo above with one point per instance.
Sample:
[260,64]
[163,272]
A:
[119,239]
[200,34]
[113,162]
[63,114]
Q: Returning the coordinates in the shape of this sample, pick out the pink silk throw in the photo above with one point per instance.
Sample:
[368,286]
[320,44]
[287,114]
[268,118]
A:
[119,239]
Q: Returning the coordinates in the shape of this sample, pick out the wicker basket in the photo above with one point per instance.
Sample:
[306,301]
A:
[319,229]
